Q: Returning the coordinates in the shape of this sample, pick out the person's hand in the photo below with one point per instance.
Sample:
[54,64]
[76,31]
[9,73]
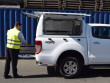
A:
[25,44]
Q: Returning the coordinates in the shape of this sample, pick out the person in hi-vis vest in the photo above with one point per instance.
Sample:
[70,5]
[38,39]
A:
[14,39]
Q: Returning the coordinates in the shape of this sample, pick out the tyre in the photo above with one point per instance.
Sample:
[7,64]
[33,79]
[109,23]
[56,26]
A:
[51,70]
[70,67]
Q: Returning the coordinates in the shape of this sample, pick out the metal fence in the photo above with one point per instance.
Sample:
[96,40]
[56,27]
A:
[9,16]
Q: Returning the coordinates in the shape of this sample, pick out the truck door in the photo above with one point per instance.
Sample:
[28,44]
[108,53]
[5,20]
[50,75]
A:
[100,45]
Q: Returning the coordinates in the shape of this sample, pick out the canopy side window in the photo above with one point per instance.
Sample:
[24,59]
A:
[62,27]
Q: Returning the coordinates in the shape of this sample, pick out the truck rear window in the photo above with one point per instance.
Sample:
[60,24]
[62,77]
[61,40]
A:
[62,27]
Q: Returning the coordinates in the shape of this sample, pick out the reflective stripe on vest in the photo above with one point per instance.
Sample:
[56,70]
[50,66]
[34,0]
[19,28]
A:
[12,39]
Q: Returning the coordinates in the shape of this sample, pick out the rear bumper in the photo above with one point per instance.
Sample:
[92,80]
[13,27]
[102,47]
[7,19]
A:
[43,60]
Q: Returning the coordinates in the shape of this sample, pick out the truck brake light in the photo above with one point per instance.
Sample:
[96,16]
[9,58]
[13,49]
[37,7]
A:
[38,47]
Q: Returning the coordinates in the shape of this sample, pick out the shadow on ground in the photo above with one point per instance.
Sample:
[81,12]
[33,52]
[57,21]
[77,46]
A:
[38,76]
[89,73]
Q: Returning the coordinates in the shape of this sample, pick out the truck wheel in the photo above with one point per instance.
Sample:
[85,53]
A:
[70,67]
[51,70]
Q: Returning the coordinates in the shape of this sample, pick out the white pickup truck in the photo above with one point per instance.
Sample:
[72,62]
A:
[65,43]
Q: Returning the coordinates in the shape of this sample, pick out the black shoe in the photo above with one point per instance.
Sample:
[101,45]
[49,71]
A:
[7,76]
[18,76]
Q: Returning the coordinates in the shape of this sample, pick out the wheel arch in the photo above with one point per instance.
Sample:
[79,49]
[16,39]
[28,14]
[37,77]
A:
[73,53]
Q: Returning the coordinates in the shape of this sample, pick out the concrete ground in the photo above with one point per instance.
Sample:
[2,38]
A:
[37,74]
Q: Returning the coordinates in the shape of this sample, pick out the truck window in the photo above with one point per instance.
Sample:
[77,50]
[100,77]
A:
[62,27]
[101,32]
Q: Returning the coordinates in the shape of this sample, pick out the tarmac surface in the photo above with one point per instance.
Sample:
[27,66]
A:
[32,73]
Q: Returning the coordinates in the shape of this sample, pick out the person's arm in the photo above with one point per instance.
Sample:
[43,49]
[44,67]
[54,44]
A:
[21,37]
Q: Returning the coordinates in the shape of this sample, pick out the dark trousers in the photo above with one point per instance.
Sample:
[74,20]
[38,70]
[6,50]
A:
[11,56]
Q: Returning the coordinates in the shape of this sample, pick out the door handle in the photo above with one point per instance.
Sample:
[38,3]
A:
[96,42]
[79,39]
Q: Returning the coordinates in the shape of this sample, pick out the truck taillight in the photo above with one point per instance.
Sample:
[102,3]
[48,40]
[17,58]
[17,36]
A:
[38,47]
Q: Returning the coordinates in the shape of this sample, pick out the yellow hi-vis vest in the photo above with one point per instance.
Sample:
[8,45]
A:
[12,39]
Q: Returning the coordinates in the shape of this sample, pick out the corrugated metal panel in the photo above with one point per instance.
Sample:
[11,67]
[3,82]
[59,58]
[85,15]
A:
[9,16]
